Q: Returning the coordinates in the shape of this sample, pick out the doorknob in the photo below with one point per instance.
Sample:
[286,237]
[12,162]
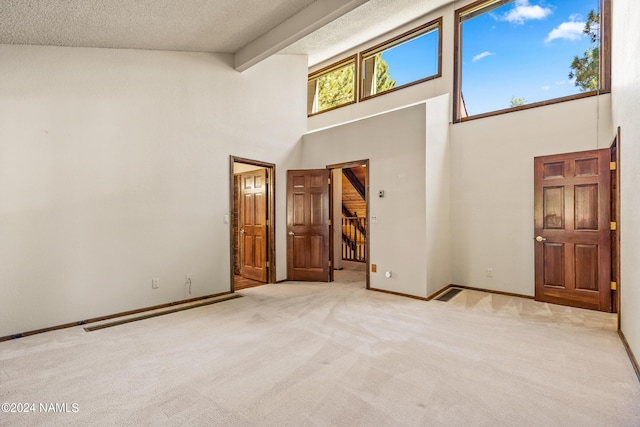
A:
[540,239]
[291,233]
[241,231]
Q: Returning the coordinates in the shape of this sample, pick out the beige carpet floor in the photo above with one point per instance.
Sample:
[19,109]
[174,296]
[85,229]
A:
[311,354]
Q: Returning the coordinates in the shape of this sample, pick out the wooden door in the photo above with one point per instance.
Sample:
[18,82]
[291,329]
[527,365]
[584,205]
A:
[308,225]
[572,229]
[253,225]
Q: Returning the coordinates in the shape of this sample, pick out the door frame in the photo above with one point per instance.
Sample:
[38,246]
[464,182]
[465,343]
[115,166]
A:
[615,238]
[334,223]
[271,215]
[614,215]
[602,298]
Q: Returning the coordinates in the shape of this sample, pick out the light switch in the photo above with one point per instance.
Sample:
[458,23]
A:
[225,219]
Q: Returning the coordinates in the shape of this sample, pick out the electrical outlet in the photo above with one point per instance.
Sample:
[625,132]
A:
[489,272]
[155,283]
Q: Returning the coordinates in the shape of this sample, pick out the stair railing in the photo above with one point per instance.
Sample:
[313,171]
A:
[354,238]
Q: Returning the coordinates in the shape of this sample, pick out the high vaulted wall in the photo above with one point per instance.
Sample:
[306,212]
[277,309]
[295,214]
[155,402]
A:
[408,158]
[114,169]
[489,169]
[492,186]
[626,114]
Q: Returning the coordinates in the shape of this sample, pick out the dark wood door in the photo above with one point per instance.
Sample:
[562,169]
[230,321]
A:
[572,229]
[308,225]
[253,225]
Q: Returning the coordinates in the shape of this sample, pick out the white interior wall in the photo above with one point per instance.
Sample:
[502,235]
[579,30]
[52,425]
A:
[395,145]
[492,186]
[626,111]
[114,169]
[438,189]
[491,168]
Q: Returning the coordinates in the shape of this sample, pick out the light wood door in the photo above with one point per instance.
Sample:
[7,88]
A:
[308,225]
[572,229]
[253,225]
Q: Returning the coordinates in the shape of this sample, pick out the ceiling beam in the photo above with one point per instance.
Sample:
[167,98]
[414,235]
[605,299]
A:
[303,23]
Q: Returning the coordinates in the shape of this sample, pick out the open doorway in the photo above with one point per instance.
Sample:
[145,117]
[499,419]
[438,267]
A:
[252,249]
[349,204]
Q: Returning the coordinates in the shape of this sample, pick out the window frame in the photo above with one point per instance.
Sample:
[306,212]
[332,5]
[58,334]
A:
[605,63]
[328,69]
[414,33]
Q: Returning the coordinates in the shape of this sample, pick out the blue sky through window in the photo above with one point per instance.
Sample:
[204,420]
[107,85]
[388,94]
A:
[523,50]
[414,59]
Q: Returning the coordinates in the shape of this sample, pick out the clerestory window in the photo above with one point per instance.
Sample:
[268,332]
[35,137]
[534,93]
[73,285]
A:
[516,54]
[332,87]
[410,58]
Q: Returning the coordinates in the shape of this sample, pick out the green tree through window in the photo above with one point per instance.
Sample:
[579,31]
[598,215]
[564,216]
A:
[332,87]
[407,59]
[384,81]
[586,69]
[336,88]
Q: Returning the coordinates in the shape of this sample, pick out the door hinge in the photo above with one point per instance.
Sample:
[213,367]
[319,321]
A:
[613,166]
[329,222]
[267,264]
[329,263]
[614,286]
[266,223]
[329,181]
[613,226]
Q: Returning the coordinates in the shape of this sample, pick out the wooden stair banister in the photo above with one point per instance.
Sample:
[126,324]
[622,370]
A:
[348,241]
[347,213]
[354,228]
[353,241]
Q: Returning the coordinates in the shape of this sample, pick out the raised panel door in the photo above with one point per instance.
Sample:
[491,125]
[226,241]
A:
[573,242]
[308,225]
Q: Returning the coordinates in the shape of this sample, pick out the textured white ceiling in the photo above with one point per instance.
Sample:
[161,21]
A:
[368,21]
[224,26]
[183,25]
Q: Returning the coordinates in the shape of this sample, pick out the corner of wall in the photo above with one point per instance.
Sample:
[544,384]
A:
[437,175]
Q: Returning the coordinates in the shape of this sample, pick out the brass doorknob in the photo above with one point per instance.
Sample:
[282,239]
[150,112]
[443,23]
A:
[291,233]
[241,231]
[540,239]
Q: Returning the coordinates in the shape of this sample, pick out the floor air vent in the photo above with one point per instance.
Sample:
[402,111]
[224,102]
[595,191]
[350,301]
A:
[449,294]
[161,313]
